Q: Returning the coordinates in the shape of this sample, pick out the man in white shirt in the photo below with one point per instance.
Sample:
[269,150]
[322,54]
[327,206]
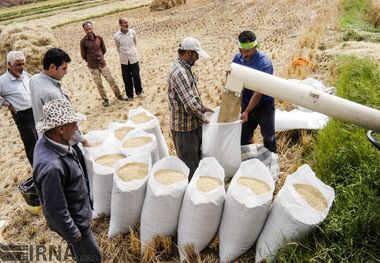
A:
[125,41]
[15,94]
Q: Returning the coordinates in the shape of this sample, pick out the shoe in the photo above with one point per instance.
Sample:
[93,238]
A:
[129,99]
[106,103]
[140,95]
[122,97]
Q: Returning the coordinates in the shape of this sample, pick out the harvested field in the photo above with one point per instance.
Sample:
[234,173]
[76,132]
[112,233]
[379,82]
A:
[286,29]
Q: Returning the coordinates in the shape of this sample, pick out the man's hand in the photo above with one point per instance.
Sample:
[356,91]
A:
[244,117]
[78,238]
[206,109]
[10,107]
[85,143]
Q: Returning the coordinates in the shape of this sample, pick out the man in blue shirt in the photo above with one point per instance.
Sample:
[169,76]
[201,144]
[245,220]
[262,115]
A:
[256,108]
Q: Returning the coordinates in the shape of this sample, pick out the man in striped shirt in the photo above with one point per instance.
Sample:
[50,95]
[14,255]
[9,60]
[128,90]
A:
[185,105]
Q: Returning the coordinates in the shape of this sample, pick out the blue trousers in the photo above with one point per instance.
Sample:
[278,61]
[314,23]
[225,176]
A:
[265,119]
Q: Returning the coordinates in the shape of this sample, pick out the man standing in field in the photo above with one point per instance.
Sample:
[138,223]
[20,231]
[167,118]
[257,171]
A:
[92,50]
[185,105]
[256,108]
[46,86]
[15,94]
[125,42]
[60,181]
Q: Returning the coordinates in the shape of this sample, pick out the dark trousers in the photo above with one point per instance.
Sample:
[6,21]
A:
[86,250]
[188,147]
[131,78]
[264,118]
[80,156]
[27,129]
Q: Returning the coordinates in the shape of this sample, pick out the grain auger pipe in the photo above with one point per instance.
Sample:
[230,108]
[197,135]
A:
[299,94]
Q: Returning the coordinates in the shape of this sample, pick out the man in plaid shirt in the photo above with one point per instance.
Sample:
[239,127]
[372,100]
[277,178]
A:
[185,105]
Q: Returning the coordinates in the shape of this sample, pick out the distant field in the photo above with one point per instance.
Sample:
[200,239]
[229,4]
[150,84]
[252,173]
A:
[49,8]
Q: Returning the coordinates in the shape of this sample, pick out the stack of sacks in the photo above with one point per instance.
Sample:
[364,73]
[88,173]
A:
[246,208]
[222,141]
[302,203]
[128,192]
[268,158]
[201,208]
[166,186]
[103,159]
[95,138]
[120,129]
[138,141]
[144,120]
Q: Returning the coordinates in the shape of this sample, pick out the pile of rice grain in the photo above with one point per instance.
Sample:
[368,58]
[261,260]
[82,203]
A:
[109,159]
[137,142]
[158,5]
[132,171]
[207,183]
[121,132]
[141,118]
[33,41]
[312,196]
[257,186]
[168,176]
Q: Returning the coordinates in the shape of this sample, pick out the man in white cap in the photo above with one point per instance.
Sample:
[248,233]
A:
[15,94]
[185,105]
[60,181]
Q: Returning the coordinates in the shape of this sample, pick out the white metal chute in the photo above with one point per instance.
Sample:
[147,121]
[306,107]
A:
[303,95]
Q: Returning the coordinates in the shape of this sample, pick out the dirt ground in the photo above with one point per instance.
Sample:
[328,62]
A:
[285,28]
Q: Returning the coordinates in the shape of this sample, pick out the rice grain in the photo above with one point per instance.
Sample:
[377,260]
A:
[109,159]
[312,196]
[207,183]
[133,171]
[168,176]
[257,186]
[136,142]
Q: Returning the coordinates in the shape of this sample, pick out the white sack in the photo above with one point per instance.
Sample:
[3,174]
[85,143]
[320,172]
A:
[152,126]
[244,211]
[113,126]
[268,158]
[162,203]
[150,147]
[299,119]
[103,176]
[222,141]
[290,215]
[200,213]
[127,197]
[93,137]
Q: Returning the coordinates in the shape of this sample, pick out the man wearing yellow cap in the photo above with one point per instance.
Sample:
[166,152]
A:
[256,108]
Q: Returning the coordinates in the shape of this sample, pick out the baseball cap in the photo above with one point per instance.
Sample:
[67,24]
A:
[190,43]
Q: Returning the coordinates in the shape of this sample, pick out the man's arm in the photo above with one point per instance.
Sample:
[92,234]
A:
[55,204]
[102,46]
[83,52]
[188,96]
[255,99]
[117,45]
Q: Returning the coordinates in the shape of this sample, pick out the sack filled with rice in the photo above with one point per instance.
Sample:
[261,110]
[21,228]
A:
[302,203]
[245,210]
[201,208]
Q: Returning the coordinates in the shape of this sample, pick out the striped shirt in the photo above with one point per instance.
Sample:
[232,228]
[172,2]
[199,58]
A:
[185,105]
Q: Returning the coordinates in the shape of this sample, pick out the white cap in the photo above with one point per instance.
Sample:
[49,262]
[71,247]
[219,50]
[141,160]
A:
[190,43]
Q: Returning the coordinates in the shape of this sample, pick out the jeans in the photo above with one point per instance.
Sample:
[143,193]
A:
[131,78]
[188,147]
[264,118]
[26,127]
